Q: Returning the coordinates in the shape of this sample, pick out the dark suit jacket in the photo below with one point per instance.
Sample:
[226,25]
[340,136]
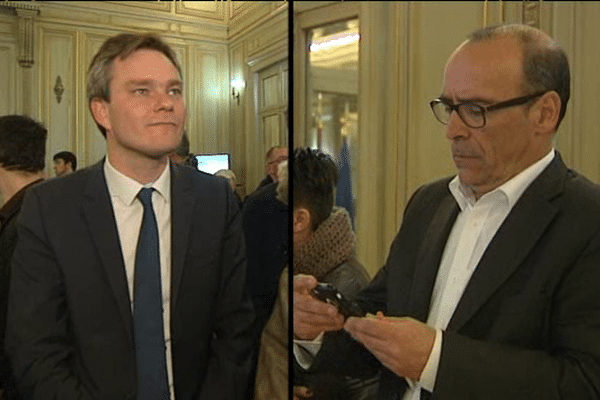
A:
[8,242]
[265,225]
[69,320]
[528,323]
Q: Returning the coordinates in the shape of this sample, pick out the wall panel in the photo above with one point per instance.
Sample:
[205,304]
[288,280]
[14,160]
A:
[94,144]
[8,76]
[58,60]
[427,154]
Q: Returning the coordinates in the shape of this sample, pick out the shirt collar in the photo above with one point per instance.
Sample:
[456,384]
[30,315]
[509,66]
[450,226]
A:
[127,189]
[510,190]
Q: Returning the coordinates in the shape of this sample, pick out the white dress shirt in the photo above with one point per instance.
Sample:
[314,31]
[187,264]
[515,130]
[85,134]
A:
[129,211]
[474,228]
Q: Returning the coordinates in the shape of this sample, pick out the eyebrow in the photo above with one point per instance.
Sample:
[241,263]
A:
[448,100]
[171,82]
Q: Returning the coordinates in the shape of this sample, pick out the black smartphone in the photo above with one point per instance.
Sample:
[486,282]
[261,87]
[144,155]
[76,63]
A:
[329,294]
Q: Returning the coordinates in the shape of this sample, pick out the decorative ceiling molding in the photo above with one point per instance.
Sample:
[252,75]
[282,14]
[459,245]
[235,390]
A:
[20,5]
[246,18]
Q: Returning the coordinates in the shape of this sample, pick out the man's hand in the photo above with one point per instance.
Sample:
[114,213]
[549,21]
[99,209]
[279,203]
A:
[403,345]
[302,393]
[312,316]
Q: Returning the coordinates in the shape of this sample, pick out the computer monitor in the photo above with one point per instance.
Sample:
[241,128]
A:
[211,163]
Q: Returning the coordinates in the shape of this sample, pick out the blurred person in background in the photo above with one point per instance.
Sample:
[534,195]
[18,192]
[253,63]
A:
[65,162]
[22,155]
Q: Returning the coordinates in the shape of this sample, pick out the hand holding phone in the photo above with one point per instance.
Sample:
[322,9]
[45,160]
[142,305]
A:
[329,294]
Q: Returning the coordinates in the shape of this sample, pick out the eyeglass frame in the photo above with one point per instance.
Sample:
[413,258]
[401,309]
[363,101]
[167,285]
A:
[517,101]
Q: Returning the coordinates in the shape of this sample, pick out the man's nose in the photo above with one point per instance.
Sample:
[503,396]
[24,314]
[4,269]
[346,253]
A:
[456,127]
[164,101]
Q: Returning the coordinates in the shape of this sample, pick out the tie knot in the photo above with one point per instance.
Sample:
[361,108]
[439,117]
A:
[145,196]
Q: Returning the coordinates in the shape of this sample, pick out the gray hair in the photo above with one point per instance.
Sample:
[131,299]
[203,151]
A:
[226,173]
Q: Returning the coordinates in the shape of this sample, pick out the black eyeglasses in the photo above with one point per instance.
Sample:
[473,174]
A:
[473,114]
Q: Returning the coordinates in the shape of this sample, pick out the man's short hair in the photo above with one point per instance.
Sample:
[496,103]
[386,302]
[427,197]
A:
[122,46]
[545,64]
[270,152]
[314,178]
[67,157]
[22,143]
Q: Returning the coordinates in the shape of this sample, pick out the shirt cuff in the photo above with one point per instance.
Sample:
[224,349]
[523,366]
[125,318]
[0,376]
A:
[427,379]
[306,351]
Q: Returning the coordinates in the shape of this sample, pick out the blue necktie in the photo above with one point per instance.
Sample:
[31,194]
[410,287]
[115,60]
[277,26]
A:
[147,309]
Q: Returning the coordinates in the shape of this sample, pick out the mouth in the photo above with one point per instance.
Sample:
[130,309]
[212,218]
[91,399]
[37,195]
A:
[461,152]
[162,123]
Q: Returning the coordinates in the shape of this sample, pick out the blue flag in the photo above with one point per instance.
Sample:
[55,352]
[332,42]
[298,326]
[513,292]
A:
[343,196]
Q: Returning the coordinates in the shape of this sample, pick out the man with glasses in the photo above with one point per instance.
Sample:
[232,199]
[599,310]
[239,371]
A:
[490,288]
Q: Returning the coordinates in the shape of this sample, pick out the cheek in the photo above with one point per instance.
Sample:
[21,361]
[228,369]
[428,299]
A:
[491,142]
[181,110]
[138,111]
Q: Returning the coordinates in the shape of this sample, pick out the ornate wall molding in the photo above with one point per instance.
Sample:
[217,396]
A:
[531,13]
[25,12]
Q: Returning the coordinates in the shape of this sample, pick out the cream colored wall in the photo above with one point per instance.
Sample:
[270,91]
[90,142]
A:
[66,35]
[403,49]
[252,49]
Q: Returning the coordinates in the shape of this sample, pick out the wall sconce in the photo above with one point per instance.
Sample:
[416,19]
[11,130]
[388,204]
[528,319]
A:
[58,89]
[236,87]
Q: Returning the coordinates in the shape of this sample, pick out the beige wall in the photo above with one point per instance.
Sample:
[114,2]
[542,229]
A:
[253,49]
[403,49]
[62,37]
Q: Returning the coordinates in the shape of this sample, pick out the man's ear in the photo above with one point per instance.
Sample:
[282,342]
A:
[99,109]
[546,112]
[301,220]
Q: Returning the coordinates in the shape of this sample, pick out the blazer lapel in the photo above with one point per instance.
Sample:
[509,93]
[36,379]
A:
[430,254]
[515,238]
[99,214]
[182,202]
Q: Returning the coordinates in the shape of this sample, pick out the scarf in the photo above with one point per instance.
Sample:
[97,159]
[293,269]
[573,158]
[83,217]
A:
[330,245]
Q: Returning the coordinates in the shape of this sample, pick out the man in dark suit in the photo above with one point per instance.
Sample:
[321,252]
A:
[275,156]
[265,225]
[128,278]
[23,144]
[490,288]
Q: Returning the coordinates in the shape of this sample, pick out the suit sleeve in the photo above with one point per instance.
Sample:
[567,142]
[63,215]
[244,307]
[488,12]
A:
[37,338]
[229,366]
[566,367]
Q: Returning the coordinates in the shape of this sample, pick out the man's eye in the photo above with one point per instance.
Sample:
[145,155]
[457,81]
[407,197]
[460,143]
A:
[176,91]
[142,91]
[472,110]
